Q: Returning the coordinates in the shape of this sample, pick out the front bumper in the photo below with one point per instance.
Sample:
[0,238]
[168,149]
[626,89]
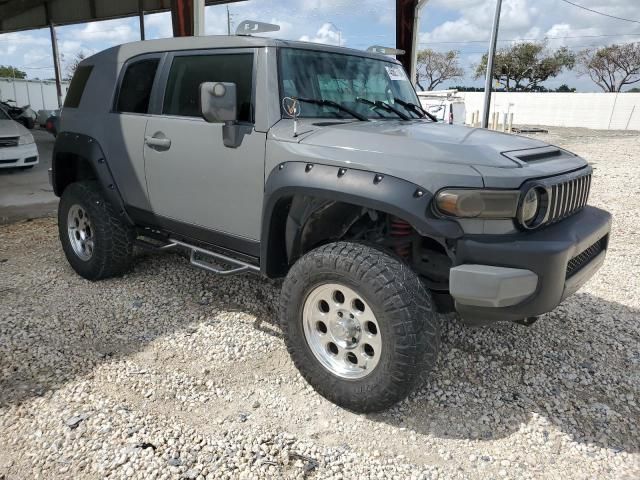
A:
[536,270]
[19,156]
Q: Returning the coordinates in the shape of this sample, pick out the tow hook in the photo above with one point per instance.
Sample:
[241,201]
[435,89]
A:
[527,322]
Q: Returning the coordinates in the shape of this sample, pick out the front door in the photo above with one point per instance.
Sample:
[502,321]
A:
[195,183]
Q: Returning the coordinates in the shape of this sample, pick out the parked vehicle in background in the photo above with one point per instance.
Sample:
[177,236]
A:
[17,146]
[25,115]
[316,164]
[52,125]
[43,116]
[445,105]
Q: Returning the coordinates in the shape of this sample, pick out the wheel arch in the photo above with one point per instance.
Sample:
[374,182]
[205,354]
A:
[78,157]
[295,191]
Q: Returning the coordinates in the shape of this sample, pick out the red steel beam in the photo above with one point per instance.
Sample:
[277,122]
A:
[182,18]
[405,16]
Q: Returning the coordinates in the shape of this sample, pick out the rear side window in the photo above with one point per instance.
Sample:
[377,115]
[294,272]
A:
[135,90]
[182,95]
[78,82]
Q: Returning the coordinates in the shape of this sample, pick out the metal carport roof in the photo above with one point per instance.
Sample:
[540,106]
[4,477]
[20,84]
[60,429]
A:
[16,15]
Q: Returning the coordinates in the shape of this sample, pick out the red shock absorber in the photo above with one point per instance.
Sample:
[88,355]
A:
[400,234]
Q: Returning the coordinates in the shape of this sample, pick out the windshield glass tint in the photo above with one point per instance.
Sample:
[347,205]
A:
[343,79]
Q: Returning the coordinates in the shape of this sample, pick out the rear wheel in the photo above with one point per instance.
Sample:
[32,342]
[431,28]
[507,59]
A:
[96,241]
[358,325]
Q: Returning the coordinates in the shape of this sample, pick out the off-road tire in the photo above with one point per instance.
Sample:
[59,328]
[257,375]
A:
[113,238]
[404,310]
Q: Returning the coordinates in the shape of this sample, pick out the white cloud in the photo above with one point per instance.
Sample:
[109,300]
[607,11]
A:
[327,33]
[158,25]
[114,31]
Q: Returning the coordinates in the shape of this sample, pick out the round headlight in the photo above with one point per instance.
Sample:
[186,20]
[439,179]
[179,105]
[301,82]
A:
[533,207]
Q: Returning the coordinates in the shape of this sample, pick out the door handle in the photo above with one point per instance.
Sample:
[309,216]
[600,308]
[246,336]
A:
[158,142]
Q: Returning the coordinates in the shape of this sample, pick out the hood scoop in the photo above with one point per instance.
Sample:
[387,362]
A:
[533,155]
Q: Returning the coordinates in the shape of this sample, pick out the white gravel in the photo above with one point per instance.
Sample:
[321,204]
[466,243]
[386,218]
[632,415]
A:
[171,372]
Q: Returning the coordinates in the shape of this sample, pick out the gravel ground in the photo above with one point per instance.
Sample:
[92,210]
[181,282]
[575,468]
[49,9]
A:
[170,372]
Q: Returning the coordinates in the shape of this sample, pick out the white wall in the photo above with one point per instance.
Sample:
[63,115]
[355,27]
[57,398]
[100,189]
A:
[40,94]
[614,111]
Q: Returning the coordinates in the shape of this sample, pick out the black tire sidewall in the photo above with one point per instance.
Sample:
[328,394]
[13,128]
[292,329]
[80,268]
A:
[389,382]
[83,194]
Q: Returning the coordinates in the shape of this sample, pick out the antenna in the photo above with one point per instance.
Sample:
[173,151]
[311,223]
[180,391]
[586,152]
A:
[385,50]
[249,27]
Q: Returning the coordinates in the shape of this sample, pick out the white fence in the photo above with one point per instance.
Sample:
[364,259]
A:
[40,94]
[606,111]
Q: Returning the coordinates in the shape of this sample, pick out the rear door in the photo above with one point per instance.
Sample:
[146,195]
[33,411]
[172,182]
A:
[197,185]
[125,126]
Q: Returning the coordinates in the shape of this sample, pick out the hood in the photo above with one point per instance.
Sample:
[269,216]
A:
[435,142]
[420,149]
[11,128]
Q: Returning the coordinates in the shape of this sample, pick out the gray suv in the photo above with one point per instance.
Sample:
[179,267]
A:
[376,216]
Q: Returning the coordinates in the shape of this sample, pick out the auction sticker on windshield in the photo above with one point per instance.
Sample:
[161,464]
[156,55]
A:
[395,72]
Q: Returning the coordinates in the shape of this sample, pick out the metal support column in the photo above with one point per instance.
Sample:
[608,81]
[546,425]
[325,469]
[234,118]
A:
[141,18]
[490,57]
[56,56]
[415,46]
[405,22]
[182,18]
[198,18]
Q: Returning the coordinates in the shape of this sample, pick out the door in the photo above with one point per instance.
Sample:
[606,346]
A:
[195,183]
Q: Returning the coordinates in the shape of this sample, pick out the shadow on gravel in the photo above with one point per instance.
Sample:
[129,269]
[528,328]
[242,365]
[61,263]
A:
[578,367]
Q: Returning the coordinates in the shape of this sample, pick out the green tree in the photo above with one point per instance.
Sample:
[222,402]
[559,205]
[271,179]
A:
[565,88]
[612,67]
[437,67]
[11,72]
[523,66]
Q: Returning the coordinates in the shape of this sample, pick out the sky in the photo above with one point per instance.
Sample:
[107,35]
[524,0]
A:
[462,25]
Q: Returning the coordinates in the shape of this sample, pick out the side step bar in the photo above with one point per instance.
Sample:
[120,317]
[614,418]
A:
[237,266]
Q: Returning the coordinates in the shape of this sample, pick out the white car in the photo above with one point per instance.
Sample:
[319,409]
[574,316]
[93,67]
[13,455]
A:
[444,105]
[17,146]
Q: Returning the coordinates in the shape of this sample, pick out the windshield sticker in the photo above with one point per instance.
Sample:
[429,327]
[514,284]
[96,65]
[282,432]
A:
[395,72]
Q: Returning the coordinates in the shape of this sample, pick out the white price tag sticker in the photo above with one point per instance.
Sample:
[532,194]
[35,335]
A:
[395,72]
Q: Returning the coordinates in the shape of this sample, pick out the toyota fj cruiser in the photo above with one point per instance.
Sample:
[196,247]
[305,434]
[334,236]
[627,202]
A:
[376,216]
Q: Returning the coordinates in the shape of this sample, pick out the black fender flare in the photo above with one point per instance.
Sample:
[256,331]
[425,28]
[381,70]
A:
[363,188]
[89,149]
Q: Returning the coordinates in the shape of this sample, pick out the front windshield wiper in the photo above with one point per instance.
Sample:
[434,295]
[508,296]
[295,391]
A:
[336,105]
[417,109]
[384,106]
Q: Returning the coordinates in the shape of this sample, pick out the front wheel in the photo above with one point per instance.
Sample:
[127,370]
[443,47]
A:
[358,324]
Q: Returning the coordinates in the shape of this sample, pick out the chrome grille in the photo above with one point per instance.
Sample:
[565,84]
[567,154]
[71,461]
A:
[568,197]
[8,142]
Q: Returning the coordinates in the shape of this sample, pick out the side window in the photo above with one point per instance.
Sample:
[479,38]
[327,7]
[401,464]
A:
[182,95]
[135,90]
[78,82]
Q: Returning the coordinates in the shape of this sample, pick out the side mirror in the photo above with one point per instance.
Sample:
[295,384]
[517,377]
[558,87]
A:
[218,102]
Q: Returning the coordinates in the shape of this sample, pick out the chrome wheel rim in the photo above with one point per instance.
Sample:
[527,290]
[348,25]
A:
[80,232]
[342,331]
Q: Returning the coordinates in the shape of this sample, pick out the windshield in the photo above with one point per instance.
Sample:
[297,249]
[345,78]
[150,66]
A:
[346,80]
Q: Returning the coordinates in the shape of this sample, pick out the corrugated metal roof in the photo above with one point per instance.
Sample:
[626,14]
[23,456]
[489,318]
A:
[16,15]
